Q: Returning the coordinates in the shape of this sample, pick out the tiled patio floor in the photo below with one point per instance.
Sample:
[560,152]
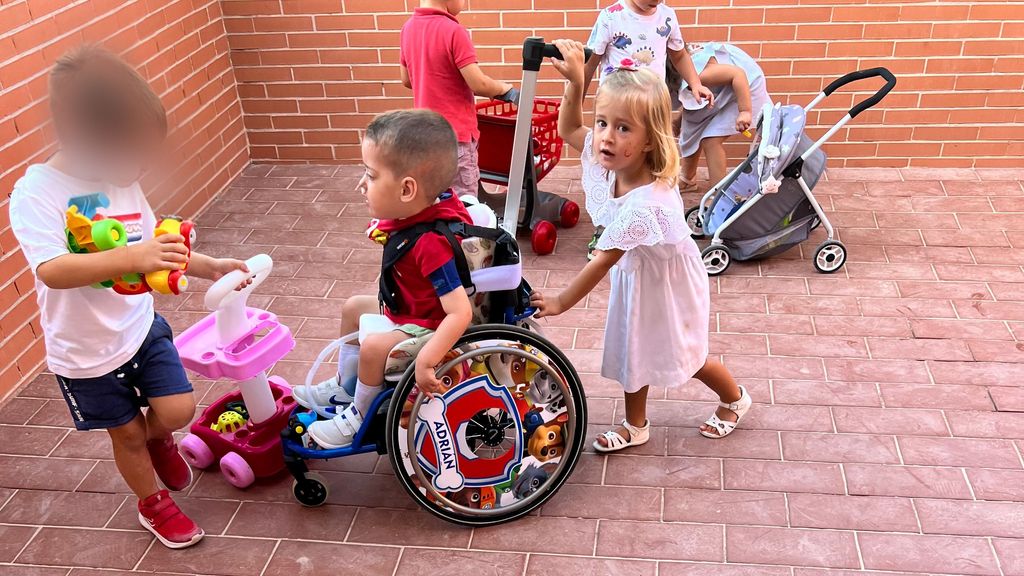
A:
[887,433]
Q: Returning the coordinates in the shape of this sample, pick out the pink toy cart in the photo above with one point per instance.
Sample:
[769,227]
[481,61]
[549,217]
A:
[242,429]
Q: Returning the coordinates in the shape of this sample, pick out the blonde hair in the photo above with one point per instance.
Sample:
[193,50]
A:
[98,97]
[646,97]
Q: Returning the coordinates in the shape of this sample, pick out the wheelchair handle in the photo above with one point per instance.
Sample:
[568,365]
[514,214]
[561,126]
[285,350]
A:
[535,50]
[890,83]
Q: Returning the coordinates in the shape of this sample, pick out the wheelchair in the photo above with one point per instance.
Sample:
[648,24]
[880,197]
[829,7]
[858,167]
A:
[504,435]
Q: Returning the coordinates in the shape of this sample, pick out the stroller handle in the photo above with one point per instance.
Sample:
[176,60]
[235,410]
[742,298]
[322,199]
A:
[535,50]
[890,83]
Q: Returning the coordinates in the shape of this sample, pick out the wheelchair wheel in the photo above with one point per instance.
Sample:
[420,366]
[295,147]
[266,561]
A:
[501,439]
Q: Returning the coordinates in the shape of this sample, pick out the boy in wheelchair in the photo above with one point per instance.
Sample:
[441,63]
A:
[410,157]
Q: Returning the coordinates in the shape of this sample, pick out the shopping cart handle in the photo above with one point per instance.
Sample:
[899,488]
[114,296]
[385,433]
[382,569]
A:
[535,50]
[890,83]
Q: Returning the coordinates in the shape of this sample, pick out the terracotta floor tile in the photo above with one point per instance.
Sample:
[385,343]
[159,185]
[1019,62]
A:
[60,508]
[880,421]
[1011,556]
[743,443]
[668,471]
[791,547]
[852,513]
[720,506]
[975,453]
[906,481]
[826,393]
[704,569]
[605,502]
[997,484]
[18,410]
[561,536]
[215,555]
[212,515]
[318,559]
[932,553]
[783,476]
[937,396]
[90,548]
[542,565]
[817,447]
[404,528]
[42,473]
[416,562]
[29,441]
[1002,519]
[13,539]
[660,541]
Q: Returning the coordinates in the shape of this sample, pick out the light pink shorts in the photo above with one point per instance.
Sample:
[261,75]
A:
[467,179]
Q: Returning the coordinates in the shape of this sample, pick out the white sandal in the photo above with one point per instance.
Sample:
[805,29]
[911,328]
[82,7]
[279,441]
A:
[724,427]
[616,442]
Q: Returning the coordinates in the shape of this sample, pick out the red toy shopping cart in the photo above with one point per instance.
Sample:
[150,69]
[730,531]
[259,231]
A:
[539,210]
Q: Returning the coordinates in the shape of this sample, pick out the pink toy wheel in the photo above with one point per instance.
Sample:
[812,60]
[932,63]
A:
[236,470]
[195,451]
[569,215]
[543,238]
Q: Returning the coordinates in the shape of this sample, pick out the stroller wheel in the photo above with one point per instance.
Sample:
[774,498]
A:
[830,256]
[716,259]
[694,224]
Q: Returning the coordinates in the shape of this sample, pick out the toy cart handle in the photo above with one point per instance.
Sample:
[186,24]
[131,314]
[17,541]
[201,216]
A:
[890,83]
[223,294]
[535,50]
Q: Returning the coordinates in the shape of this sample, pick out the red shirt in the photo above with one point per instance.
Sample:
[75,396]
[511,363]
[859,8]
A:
[434,48]
[419,301]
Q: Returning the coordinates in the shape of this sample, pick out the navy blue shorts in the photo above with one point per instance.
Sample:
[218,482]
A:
[115,399]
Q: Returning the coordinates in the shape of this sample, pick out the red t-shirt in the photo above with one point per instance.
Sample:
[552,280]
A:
[434,48]
[420,304]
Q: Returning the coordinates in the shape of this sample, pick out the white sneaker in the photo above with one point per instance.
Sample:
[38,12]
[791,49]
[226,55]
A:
[339,431]
[328,393]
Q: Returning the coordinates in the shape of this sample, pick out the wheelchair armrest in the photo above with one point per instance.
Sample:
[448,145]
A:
[498,278]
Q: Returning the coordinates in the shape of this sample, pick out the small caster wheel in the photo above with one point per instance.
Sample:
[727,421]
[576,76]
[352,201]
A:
[236,470]
[569,215]
[830,256]
[195,451]
[543,238]
[694,224]
[311,491]
[716,259]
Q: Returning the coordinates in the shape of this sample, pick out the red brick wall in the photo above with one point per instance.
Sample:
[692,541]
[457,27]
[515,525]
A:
[182,48]
[313,72]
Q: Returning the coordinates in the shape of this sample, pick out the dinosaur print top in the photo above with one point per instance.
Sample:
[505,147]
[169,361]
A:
[626,39]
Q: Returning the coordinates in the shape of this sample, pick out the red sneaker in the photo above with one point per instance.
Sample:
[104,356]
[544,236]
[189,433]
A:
[161,516]
[170,467]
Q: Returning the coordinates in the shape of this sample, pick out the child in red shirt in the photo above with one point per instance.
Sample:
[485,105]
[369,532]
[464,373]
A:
[439,64]
[410,158]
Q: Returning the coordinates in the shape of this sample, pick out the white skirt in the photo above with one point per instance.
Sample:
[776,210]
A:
[658,314]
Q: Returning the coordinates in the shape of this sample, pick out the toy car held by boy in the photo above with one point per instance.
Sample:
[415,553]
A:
[99,234]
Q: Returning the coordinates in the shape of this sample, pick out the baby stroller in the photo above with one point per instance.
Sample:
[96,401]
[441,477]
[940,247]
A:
[765,205]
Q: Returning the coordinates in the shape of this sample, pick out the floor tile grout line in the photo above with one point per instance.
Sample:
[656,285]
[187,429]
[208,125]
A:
[9,498]
[856,545]
[917,515]
[352,524]
[95,464]
[27,543]
[234,514]
[270,558]
[970,487]
[152,542]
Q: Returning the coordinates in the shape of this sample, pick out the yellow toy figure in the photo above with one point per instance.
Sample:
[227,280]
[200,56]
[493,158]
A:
[100,234]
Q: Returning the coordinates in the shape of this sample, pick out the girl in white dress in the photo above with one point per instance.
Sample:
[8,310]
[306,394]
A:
[658,310]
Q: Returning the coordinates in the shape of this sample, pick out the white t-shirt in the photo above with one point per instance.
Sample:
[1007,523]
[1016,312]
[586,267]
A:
[89,332]
[624,38]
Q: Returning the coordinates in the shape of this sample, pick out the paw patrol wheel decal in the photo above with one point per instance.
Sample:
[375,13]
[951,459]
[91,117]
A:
[491,442]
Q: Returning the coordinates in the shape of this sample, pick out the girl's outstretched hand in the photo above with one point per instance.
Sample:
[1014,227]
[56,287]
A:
[545,306]
[571,66]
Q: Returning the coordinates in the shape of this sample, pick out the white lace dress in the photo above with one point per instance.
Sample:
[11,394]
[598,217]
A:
[658,310]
